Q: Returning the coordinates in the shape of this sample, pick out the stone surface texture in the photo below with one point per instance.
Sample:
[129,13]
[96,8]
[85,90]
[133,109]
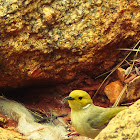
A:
[55,40]
[113,90]
[133,89]
[10,135]
[126,125]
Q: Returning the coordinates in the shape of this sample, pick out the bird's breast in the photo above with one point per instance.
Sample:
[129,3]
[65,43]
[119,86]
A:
[79,120]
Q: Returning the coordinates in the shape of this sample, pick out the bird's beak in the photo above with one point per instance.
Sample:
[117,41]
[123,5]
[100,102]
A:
[69,98]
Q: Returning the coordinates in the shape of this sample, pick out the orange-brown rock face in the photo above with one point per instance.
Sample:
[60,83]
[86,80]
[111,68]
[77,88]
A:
[113,90]
[55,40]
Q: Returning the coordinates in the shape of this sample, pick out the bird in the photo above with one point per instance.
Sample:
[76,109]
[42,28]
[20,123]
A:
[88,119]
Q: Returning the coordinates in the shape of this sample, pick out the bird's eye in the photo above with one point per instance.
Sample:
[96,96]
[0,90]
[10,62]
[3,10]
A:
[80,98]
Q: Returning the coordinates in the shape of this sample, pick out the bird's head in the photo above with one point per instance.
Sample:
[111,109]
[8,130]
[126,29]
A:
[78,99]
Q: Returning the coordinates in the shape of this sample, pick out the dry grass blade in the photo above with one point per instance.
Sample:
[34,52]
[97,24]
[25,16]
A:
[120,96]
[134,59]
[102,74]
[114,69]
[125,49]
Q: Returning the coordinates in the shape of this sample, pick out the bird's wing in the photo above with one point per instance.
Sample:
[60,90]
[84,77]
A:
[104,116]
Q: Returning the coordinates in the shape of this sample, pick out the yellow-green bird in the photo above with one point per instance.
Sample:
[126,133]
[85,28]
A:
[88,119]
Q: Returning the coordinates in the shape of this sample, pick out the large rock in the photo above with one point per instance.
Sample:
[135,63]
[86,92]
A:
[126,125]
[55,40]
